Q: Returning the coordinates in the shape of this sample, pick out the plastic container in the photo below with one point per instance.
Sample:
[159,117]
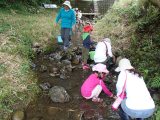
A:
[59,40]
[91,55]
[116,103]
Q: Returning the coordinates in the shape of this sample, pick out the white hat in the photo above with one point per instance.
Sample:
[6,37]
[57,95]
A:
[123,65]
[107,40]
[100,68]
[68,4]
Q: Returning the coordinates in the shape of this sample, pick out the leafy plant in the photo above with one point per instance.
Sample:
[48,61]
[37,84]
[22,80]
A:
[158,114]
[155,82]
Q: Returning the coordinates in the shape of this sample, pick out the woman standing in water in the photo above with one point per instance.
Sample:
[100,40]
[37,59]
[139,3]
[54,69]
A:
[68,19]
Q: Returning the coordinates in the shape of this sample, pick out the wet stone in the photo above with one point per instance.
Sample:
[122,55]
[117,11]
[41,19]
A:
[52,55]
[55,70]
[63,76]
[74,114]
[45,57]
[63,73]
[57,56]
[43,68]
[66,62]
[76,60]
[78,50]
[51,58]
[59,94]
[69,68]
[156,97]
[18,115]
[37,50]
[33,65]
[63,70]
[45,86]
[54,74]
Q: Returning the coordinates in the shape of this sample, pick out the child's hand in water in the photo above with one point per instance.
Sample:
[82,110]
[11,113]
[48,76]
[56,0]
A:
[115,97]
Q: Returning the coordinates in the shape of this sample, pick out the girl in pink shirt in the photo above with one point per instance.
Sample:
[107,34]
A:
[94,84]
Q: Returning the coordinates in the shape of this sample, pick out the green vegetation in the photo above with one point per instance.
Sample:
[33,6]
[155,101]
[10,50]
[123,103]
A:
[134,28]
[132,25]
[33,3]
[21,27]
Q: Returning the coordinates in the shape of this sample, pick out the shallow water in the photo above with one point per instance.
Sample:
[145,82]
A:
[77,108]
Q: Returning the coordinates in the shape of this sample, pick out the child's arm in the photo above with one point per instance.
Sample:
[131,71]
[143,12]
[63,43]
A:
[58,16]
[106,90]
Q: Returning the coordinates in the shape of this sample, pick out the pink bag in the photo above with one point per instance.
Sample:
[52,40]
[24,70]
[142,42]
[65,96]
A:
[116,103]
[120,98]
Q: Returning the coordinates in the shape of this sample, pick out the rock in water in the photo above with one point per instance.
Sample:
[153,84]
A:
[18,115]
[45,86]
[59,94]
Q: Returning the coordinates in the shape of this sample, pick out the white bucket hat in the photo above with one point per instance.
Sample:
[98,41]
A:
[100,68]
[123,65]
[107,40]
[68,4]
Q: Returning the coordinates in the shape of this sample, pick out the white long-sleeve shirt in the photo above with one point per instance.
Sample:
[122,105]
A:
[100,52]
[138,96]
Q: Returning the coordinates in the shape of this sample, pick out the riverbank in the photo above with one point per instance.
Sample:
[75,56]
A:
[21,32]
[25,32]
[134,28]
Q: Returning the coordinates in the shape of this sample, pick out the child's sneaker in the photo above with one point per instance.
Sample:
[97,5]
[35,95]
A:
[85,67]
[65,48]
[97,99]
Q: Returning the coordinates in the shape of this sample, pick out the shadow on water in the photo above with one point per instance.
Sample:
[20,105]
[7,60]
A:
[77,108]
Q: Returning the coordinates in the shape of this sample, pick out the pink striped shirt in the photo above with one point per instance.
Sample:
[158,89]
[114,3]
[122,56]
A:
[90,83]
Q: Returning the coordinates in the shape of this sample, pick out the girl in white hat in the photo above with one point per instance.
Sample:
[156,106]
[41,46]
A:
[138,102]
[94,84]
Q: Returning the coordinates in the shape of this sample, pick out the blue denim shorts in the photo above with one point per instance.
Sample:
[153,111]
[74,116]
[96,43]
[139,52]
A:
[136,113]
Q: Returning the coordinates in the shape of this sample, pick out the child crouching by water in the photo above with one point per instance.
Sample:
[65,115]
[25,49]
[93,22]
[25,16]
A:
[94,84]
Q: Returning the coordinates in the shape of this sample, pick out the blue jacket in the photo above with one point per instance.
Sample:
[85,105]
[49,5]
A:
[68,18]
[86,40]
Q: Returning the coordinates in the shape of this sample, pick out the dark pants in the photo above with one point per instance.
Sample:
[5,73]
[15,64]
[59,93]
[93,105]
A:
[65,34]
[124,115]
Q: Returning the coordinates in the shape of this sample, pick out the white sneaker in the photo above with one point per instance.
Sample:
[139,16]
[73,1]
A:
[65,48]
[70,43]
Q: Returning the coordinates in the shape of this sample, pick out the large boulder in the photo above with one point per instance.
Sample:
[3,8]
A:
[59,94]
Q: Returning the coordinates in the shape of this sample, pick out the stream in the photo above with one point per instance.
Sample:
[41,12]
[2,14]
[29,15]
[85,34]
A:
[63,69]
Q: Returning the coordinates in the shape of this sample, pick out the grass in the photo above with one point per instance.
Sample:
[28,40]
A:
[134,29]
[19,31]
